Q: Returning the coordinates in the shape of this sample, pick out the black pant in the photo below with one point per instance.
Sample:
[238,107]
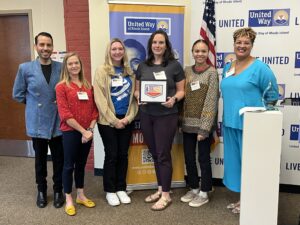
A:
[116,143]
[159,132]
[40,147]
[189,145]
[75,157]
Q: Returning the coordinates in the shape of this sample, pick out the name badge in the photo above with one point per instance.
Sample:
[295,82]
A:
[230,72]
[160,75]
[195,85]
[82,95]
[117,81]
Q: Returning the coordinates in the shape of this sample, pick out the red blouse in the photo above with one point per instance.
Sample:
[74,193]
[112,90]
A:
[69,106]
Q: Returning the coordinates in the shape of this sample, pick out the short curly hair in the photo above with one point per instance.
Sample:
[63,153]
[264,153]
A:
[242,32]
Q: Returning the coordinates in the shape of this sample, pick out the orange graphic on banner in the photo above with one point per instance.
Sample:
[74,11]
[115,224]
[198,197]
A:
[141,168]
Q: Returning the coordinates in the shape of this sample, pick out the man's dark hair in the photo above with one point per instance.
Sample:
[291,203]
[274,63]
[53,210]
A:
[42,34]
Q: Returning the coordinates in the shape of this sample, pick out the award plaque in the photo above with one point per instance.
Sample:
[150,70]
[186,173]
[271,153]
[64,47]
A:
[153,91]
[269,97]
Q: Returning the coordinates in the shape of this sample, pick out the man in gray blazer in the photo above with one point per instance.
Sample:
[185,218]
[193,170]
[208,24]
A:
[35,86]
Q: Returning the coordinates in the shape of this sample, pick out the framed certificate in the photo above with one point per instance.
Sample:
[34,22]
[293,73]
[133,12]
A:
[153,91]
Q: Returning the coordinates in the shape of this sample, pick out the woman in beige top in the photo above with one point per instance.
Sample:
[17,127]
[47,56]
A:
[114,85]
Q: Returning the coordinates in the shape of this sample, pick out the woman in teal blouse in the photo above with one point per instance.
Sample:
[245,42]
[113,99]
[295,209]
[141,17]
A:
[243,84]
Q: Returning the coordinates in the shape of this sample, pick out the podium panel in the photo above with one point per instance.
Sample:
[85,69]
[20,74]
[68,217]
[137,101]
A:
[261,167]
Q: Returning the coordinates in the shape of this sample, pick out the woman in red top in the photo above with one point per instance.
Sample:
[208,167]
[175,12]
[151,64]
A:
[78,114]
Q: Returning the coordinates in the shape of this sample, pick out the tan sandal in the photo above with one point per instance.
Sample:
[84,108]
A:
[233,205]
[236,210]
[153,197]
[161,204]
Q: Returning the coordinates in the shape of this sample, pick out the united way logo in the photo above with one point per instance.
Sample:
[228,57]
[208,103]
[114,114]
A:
[281,90]
[146,25]
[163,25]
[269,17]
[281,17]
[153,90]
[223,58]
[229,57]
[294,132]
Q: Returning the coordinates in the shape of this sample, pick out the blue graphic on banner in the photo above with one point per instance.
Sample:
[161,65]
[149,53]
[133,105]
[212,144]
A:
[223,58]
[297,60]
[135,28]
[294,132]
[146,25]
[269,17]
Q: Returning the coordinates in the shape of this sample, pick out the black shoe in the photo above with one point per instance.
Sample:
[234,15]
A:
[41,200]
[59,199]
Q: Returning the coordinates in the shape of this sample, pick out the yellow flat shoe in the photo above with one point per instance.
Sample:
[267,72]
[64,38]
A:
[70,210]
[87,203]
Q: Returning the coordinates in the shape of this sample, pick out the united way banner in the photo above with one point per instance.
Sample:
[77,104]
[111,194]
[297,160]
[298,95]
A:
[134,23]
[278,27]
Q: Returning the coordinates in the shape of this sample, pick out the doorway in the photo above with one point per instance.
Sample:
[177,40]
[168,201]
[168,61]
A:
[15,48]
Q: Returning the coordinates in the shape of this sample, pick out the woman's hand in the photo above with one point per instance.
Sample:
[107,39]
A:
[200,137]
[87,135]
[137,96]
[170,102]
[124,121]
[119,125]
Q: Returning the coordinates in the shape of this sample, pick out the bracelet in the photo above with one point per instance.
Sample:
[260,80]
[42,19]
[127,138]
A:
[90,129]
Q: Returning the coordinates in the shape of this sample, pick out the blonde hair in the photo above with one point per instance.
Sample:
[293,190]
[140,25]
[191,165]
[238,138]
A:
[64,75]
[108,65]
[245,32]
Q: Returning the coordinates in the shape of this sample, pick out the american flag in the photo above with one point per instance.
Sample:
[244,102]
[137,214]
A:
[208,30]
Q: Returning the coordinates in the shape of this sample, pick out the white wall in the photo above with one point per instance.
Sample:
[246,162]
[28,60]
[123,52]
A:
[46,16]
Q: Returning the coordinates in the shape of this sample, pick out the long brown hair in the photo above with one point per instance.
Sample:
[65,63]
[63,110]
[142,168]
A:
[64,75]
[168,54]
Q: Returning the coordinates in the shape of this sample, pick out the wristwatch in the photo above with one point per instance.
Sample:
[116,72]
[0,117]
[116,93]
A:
[90,129]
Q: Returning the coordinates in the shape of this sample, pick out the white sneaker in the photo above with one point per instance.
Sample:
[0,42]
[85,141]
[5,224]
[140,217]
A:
[198,201]
[112,199]
[189,196]
[124,198]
